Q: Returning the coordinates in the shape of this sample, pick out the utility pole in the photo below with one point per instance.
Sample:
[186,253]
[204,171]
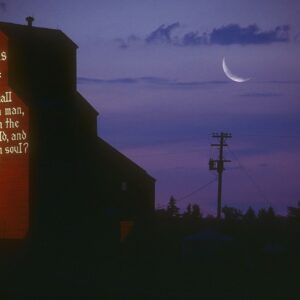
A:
[218,165]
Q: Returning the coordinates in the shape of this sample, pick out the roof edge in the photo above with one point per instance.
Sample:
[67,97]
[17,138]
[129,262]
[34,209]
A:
[8,27]
[126,158]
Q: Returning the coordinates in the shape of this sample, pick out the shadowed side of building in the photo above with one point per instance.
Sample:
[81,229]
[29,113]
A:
[79,188]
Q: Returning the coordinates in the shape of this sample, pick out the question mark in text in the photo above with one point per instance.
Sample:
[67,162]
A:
[25,147]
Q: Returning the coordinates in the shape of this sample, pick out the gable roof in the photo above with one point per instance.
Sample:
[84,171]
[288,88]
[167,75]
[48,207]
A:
[110,153]
[85,105]
[22,32]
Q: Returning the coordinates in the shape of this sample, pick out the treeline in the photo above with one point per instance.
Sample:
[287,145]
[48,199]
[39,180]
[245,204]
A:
[188,255]
[229,214]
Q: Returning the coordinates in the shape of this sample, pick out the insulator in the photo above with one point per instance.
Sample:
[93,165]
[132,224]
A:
[211,164]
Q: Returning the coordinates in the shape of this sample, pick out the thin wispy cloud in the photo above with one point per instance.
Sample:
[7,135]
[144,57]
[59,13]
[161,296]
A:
[235,34]
[148,80]
[283,81]
[163,34]
[85,80]
[231,34]
[260,95]
[193,38]
[167,82]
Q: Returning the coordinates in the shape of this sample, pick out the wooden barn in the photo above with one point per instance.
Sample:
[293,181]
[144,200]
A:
[58,179]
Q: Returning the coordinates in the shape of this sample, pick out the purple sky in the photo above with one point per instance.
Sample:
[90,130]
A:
[153,71]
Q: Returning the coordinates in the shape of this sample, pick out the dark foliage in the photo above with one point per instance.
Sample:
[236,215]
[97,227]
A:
[250,215]
[172,209]
[294,212]
[232,214]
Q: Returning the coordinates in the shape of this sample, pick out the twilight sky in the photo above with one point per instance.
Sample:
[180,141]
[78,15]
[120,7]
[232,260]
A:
[153,71]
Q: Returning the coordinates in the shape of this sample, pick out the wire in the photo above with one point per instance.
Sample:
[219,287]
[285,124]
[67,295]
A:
[197,190]
[258,189]
[191,193]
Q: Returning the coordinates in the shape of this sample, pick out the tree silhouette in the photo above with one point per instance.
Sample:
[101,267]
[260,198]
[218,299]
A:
[172,209]
[250,216]
[192,212]
[232,213]
[266,215]
[262,214]
[270,213]
[196,212]
[294,212]
[188,211]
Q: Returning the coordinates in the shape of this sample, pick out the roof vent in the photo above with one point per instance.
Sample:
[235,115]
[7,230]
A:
[29,20]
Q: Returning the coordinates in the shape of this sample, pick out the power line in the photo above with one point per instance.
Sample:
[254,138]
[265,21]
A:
[255,184]
[197,190]
[191,193]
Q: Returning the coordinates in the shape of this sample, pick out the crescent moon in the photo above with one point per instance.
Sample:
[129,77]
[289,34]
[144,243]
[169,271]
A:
[230,75]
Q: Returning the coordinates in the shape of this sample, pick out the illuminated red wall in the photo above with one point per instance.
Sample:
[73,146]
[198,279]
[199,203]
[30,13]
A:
[14,158]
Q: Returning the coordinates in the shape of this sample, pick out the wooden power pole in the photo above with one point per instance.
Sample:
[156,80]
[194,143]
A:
[218,165]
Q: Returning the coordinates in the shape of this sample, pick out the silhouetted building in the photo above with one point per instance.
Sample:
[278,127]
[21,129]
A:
[75,183]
